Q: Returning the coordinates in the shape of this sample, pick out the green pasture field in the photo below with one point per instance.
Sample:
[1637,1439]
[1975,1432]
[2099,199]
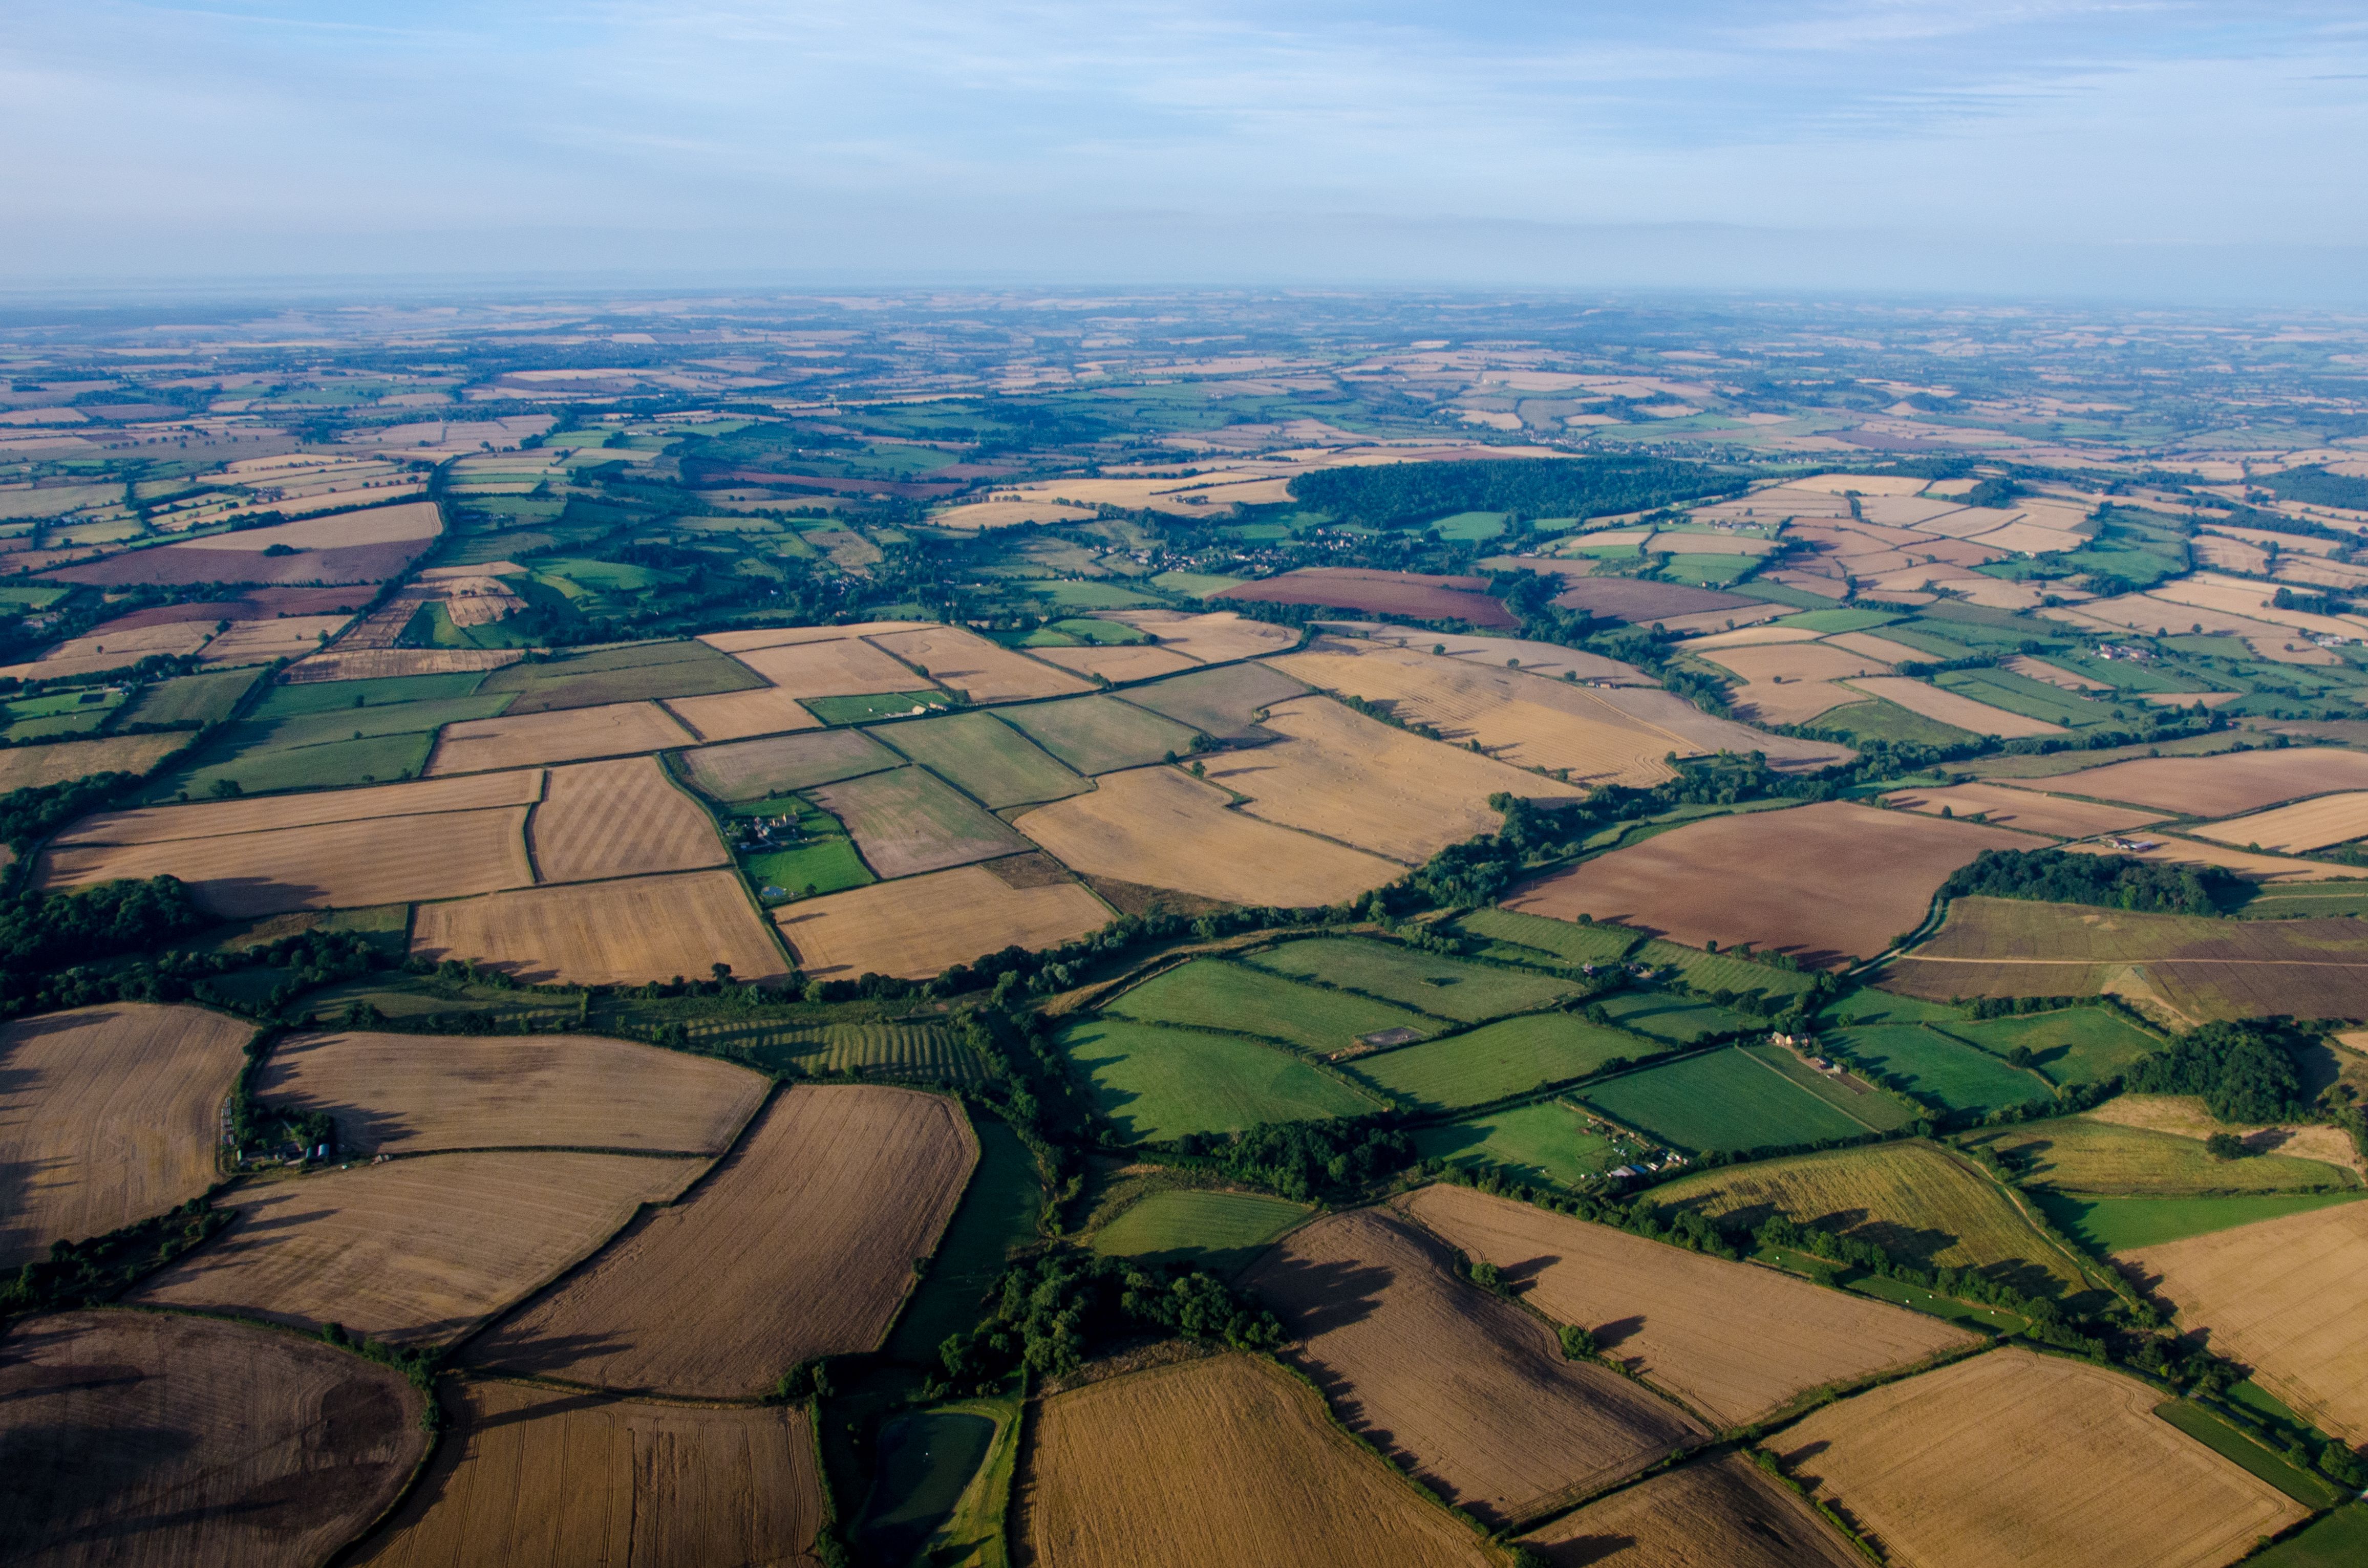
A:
[206,698]
[2241,1449]
[2339,1540]
[2122,1224]
[1966,1314]
[2073,1045]
[1952,1072]
[1447,988]
[1720,1100]
[2079,1153]
[1101,634]
[1875,720]
[374,759]
[1827,621]
[826,860]
[997,1216]
[1225,701]
[1783,594]
[1556,942]
[1217,994]
[339,696]
[418,995]
[1467,528]
[576,577]
[1511,1056]
[983,756]
[2323,900]
[1681,1020]
[1220,1230]
[879,705]
[1546,1141]
[1709,571]
[1200,585]
[387,925]
[632,673]
[1088,595]
[73,712]
[776,765]
[1878,1111]
[265,733]
[1157,1082]
[1715,972]
[1099,734]
[1919,636]
[1868,1006]
[2032,699]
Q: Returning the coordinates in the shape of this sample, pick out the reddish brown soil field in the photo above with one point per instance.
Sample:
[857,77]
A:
[260,603]
[172,564]
[1381,593]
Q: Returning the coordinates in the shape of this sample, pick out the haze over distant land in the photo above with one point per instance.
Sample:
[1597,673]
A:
[2201,151]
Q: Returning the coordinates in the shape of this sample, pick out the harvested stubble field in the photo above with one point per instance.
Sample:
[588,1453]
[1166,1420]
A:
[2013,1458]
[1224,702]
[146,1437]
[414,1251]
[212,819]
[1792,682]
[611,675]
[109,1115]
[32,768]
[1914,1200]
[1946,706]
[1715,1512]
[1449,988]
[2186,1116]
[1735,1341]
[2297,829]
[1469,1393]
[1509,1057]
[751,770]
[734,715]
[418,1094]
[1219,994]
[2282,1296]
[845,667]
[800,1244]
[1118,664]
[1156,1081]
[1101,734]
[1638,600]
[964,662]
[2224,785]
[1160,828]
[909,821]
[746,638]
[2090,1154]
[1212,637]
[1347,777]
[917,927]
[1524,720]
[621,818]
[620,933]
[569,735]
[2025,811]
[1216,1462]
[2199,966]
[985,758]
[1821,882]
[542,1479]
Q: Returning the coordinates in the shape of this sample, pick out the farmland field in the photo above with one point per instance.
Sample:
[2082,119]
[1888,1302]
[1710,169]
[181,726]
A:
[1447,987]
[1734,1341]
[1221,993]
[1207,1230]
[31,768]
[1671,1016]
[1722,1100]
[2074,1045]
[207,699]
[844,666]
[1929,1063]
[2129,1224]
[820,859]
[1717,1511]
[800,1244]
[416,1094]
[1509,1057]
[1116,663]
[919,927]
[983,756]
[1547,1142]
[109,1115]
[157,824]
[415,1251]
[1160,828]
[870,709]
[2220,786]
[2015,1457]
[1158,1081]
[750,771]
[1467,1392]
[1817,881]
[2282,1297]
[620,674]
[1881,1111]
[2299,829]
[569,735]
[2337,1541]
[2025,811]
[1101,734]
[618,819]
[1224,702]
[2086,1153]
[619,932]
[734,715]
[1409,594]
[613,1480]
[910,1051]
[1223,1460]
[200,1443]
[1559,941]
[964,662]
[907,821]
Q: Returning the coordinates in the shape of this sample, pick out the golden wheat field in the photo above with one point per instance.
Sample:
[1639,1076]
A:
[919,927]
[109,1115]
[1214,637]
[736,715]
[1713,1513]
[619,818]
[1952,708]
[567,734]
[964,662]
[615,933]
[2297,829]
[213,818]
[2025,811]
[1117,663]
[844,666]
[33,768]
[2221,786]
[743,639]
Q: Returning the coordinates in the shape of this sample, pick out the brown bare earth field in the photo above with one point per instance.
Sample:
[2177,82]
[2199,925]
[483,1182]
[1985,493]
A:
[1735,1341]
[1717,1513]
[734,715]
[2025,811]
[1215,1463]
[2297,829]
[1408,594]
[749,770]
[1952,708]
[210,819]
[346,865]
[741,640]
[620,933]
[801,1243]
[414,1251]
[148,1440]
[919,927]
[2282,1296]
[1347,777]
[108,1115]
[1467,1392]
[412,1094]
[1159,827]
[963,661]
[1820,881]
[539,1478]
[616,729]
[2219,785]
[619,819]
[30,768]
[846,666]
[2014,1459]
[260,641]
[1119,663]
[1213,637]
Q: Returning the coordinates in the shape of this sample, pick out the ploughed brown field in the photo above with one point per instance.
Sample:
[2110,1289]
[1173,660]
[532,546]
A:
[414,1251]
[1215,1463]
[1821,882]
[541,1478]
[1409,594]
[109,1115]
[919,927]
[800,1244]
[618,819]
[2025,811]
[2014,1459]
[414,1093]
[1735,1341]
[615,933]
[156,1440]
[1470,1393]
[2217,786]
[1715,1513]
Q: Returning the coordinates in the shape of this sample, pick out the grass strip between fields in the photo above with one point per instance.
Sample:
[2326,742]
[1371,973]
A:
[2214,1432]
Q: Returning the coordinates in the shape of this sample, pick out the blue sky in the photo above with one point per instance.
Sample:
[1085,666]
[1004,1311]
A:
[2150,148]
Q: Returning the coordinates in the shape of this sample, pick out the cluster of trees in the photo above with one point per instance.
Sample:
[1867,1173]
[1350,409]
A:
[2244,1071]
[1388,493]
[81,1274]
[1305,1159]
[1051,1310]
[34,812]
[2111,882]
